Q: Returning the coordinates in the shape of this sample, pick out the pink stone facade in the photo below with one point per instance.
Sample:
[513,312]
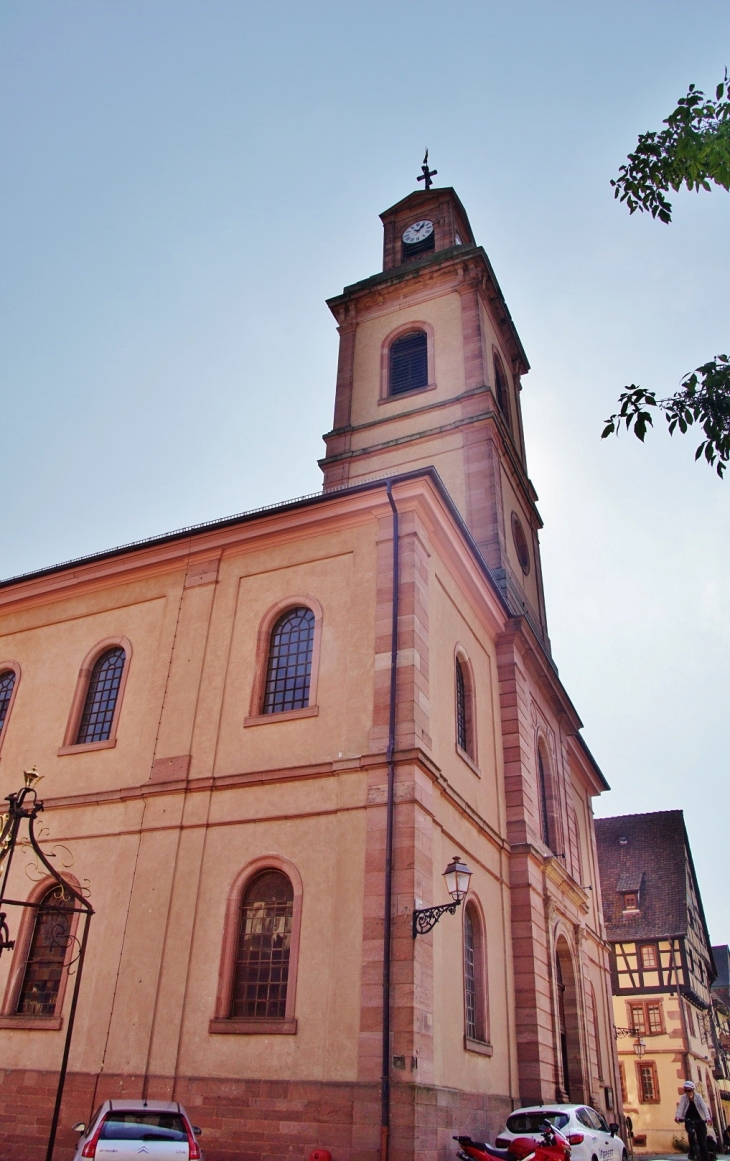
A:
[198,786]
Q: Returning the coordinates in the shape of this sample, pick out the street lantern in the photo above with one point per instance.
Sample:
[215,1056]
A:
[457,876]
[639,1046]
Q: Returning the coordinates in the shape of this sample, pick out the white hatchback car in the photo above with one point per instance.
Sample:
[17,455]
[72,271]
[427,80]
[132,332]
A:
[127,1130]
[591,1139]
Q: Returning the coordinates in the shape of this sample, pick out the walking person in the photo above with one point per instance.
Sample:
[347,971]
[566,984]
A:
[696,1116]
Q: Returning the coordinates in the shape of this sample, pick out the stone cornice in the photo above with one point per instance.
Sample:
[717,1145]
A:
[457,265]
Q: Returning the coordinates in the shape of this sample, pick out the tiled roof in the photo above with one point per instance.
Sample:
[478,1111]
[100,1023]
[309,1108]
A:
[648,852]
[721,956]
[629,881]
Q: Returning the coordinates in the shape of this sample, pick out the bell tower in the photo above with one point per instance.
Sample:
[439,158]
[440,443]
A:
[429,374]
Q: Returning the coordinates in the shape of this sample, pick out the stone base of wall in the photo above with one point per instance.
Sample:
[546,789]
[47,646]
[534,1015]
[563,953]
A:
[256,1120]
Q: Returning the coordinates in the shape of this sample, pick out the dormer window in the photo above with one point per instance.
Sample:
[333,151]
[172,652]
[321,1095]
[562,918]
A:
[629,887]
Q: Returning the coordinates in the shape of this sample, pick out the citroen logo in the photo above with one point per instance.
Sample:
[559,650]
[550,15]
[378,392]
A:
[143,1149]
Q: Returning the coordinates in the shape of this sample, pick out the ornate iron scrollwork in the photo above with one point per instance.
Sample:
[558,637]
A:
[427,917]
[24,806]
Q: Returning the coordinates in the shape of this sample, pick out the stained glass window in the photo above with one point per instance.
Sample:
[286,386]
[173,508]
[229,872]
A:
[45,963]
[264,944]
[408,363]
[290,662]
[101,697]
[7,684]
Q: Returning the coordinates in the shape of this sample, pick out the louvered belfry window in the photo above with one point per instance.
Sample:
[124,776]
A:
[7,684]
[47,955]
[408,363]
[500,384]
[101,697]
[264,944]
[289,669]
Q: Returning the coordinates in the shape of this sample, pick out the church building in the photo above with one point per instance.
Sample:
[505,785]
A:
[263,741]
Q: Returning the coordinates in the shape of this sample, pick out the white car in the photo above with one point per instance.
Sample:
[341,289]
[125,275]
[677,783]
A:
[123,1130]
[591,1139]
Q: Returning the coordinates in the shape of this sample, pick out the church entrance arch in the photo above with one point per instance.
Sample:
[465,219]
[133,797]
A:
[568,1024]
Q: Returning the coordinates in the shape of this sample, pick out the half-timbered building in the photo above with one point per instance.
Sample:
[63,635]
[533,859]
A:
[662,971]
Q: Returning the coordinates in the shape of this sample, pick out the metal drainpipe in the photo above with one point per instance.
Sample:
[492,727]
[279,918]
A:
[390,804]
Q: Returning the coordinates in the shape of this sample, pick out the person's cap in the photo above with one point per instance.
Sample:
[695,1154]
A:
[689,1084]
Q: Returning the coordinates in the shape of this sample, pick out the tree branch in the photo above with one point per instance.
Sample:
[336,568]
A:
[694,150]
[703,398]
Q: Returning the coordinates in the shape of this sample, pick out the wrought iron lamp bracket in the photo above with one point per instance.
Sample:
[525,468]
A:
[24,804]
[427,917]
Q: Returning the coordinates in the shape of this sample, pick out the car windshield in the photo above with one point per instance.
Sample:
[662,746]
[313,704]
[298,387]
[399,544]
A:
[143,1126]
[533,1122]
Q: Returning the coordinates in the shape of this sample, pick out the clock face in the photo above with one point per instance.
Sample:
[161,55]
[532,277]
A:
[418,232]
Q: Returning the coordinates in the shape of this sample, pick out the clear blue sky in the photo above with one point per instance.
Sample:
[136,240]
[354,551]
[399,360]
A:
[184,183]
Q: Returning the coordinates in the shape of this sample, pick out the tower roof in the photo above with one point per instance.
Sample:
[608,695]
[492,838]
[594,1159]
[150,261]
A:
[421,199]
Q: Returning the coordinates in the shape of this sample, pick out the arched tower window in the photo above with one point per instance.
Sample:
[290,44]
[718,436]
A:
[501,390]
[474,976]
[289,668]
[261,971]
[408,363]
[101,697]
[7,685]
[464,709]
[47,955]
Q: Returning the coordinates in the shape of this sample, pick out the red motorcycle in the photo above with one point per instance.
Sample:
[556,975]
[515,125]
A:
[552,1146]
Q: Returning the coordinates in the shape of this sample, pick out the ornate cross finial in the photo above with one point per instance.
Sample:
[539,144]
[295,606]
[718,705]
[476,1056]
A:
[426,173]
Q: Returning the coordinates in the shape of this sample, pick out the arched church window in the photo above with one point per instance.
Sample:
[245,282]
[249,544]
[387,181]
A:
[261,973]
[7,685]
[474,976]
[102,693]
[542,778]
[47,955]
[464,708]
[289,668]
[408,364]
